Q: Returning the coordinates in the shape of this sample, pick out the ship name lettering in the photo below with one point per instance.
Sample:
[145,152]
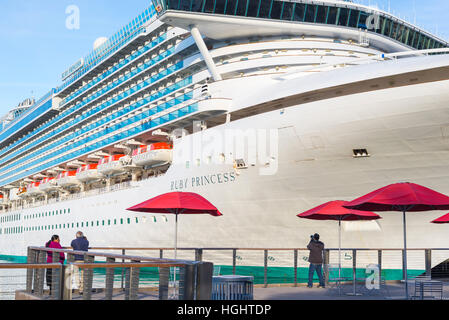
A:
[200,181]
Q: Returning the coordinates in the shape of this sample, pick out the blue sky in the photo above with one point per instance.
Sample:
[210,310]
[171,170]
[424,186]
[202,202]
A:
[37,47]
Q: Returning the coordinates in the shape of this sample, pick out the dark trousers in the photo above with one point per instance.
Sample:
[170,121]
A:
[319,270]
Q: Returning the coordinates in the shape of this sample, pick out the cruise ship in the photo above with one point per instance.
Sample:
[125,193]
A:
[266,108]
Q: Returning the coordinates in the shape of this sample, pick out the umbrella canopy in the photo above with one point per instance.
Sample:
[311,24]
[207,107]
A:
[441,220]
[177,203]
[402,197]
[334,210]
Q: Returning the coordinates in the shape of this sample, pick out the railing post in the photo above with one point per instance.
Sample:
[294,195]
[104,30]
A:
[164,274]
[31,258]
[39,275]
[161,254]
[354,265]
[265,269]
[326,266]
[55,277]
[109,280]
[428,253]
[127,282]
[205,272]
[88,277]
[123,261]
[67,282]
[295,263]
[60,287]
[379,261]
[199,255]
[187,282]
[132,282]
[234,261]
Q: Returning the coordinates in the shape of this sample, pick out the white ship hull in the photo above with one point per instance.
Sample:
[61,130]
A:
[405,130]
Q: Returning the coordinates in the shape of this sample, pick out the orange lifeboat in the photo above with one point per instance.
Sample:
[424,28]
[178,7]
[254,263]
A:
[112,165]
[67,179]
[48,185]
[22,192]
[154,155]
[88,173]
[34,190]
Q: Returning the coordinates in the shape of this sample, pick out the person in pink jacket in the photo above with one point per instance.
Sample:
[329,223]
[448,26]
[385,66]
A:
[54,243]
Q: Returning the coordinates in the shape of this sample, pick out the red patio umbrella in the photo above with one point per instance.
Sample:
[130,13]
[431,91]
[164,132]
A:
[334,210]
[403,197]
[442,220]
[177,203]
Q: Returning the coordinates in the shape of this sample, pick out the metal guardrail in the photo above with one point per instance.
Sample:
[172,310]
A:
[195,278]
[126,273]
[379,256]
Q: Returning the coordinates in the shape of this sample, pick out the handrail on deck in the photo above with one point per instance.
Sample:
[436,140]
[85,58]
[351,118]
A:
[195,277]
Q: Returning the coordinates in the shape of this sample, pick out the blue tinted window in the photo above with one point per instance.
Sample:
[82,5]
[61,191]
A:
[332,16]
[353,18]
[321,15]
[276,9]
[387,29]
[310,13]
[253,8]
[209,6]
[264,11]
[381,25]
[241,8]
[363,20]
[394,30]
[197,5]
[343,17]
[231,6]
[300,10]
[220,6]
[287,12]
[411,37]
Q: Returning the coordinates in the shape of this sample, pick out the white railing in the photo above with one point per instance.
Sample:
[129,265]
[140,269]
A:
[75,196]
[380,57]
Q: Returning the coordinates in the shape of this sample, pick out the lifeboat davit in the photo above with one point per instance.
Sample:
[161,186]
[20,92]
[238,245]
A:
[33,189]
[48,185]
[154,155]
[88,173]
[112,165]
[67,179]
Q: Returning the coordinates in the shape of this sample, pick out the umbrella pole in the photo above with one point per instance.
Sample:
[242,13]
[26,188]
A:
[339,254]
[176,252]
[176,236]
[405,254]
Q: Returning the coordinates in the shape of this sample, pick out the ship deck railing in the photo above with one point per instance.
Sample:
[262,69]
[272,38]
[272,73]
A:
[143,278]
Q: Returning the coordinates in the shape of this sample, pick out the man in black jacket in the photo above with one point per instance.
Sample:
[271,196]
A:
[316,248]
[80,244]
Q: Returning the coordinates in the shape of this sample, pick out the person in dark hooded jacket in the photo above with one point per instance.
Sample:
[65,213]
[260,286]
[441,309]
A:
[80,244]
[316,248]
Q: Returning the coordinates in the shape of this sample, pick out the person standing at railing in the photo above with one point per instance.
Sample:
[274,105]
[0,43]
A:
[54,243]
[80,244]
[316,248]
